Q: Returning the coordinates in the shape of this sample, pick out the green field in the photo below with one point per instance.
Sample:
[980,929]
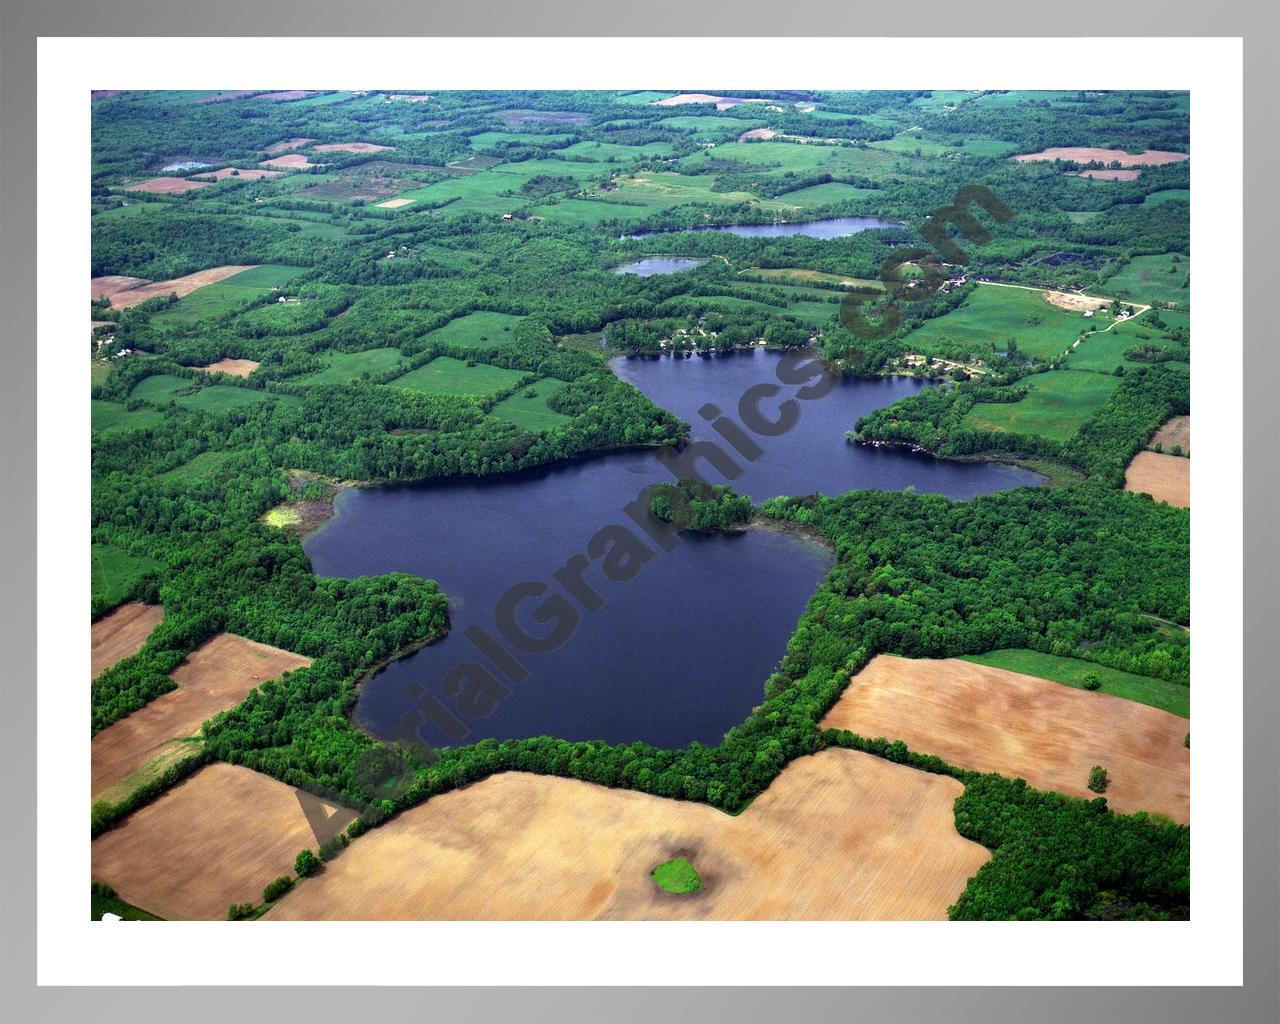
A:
[204,466]
[344,367]
[591,212]
[826,194]
[994,314]
[488,140]
[604,151]
[638,98]
[705,124]
[1158,693]
[108,417]
[1166,195]
[1059,403]
[912,143]
[162,388]
[1104,352]
[677,876]
[224,296]
[528,408]
[876,164]
[115,572]
[447,376]
[482,329]
[1154,279]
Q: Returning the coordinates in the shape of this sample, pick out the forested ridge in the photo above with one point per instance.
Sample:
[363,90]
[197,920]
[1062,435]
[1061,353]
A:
[390,343]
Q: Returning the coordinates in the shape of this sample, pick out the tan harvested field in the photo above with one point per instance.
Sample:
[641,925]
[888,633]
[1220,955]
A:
[1074,302]
[1165,477]
[179,286]
[803,274]
[757,133]
[288,94]
[284,145]
[216,676]
[394,204]
[113,284]
[288,162]
[121,633]
[840,835]
[1176,431]
[1088,154]
[240,173]
[235,367]
[1119,174]
[166,186]
[721,102]
[352,147]
[992,720]
[214,839]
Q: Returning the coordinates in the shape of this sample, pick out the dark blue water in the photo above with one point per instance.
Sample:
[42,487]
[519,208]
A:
[651,265]
[678,652]
[832,227]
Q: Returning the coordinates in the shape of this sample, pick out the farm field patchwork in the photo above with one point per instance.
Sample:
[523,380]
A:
[121,633]
[539,848]
[113,417]
[225,295]
[215,676]
[235,367]
[129,296]
[992,720]
[1158,693]
[214,839]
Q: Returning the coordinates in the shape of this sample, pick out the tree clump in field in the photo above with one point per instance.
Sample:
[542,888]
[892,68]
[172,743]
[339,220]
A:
[677,876]
[1090,681]
[1098,780]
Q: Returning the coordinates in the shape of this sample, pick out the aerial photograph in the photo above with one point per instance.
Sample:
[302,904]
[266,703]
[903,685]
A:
[740,504]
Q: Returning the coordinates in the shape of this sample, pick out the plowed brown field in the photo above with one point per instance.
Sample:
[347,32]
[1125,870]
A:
[993,720]
[179,286]
[214,839]
[122,633]
[216,676]
[840,835]
[1165,477]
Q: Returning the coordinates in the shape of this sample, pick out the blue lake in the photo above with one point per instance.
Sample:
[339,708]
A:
[678,652]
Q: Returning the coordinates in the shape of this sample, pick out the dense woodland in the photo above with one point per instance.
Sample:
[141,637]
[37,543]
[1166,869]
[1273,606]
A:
[187,462]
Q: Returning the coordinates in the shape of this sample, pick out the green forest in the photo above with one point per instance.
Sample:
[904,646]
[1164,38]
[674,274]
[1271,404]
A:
[447,307]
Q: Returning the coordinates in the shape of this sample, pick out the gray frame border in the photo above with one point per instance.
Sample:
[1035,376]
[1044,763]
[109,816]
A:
[23,21]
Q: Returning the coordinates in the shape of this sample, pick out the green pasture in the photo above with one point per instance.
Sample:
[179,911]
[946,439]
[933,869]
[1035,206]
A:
[1168,195]
[447,376]
[115,572]
[1164,278]
[1059,403]
[224,296]
[482,329]
[991,316]
[344,367]
[162,388]
[528,408]
[590,212]
[204,466]
[109,417]
[1104,352]
[826,194]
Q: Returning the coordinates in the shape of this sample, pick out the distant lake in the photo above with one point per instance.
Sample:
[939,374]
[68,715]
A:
[651,265]
[832,227]
[681,651]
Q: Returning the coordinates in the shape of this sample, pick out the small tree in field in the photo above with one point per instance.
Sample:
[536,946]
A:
[305,864]
[1098,779]
[1091,681]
